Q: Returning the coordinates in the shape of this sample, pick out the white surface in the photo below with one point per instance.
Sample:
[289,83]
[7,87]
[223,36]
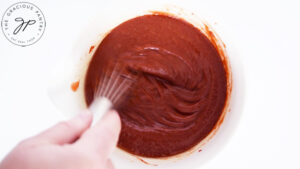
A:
[265,36]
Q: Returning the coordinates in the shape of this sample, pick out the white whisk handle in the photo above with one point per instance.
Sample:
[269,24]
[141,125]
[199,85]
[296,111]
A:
[99,107]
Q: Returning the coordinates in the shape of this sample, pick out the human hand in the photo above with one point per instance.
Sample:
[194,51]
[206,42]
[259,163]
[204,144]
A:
[69,145]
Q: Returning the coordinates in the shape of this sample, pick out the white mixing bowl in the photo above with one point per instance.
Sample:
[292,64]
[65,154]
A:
[74,68]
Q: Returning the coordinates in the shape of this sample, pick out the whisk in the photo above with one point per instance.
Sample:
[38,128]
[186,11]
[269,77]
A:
[109,90]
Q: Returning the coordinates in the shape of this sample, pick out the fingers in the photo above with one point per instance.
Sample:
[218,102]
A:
[102,137]
[68,131]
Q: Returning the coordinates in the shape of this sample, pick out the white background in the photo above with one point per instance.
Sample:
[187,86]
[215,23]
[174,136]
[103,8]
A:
[265,36]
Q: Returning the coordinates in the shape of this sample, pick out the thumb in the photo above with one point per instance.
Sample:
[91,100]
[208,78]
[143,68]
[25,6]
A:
[102,137]
[67,131]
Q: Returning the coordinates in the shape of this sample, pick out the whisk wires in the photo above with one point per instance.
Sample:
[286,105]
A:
[113,84]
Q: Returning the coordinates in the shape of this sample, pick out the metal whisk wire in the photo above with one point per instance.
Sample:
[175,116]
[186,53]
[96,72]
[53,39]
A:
[109,90]
[113,84]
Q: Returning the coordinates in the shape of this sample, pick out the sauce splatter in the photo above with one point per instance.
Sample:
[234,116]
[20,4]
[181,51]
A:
[145,162]
[74,86]
[91,49]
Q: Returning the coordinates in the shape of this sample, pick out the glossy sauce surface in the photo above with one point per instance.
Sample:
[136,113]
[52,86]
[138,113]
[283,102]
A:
[180,89]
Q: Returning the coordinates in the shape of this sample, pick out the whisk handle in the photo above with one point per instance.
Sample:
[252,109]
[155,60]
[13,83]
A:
[99,107]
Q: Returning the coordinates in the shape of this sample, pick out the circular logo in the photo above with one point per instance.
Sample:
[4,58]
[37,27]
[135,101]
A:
[23,24]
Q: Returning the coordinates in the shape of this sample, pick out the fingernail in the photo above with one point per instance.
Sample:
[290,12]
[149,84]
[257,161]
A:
[108,114]
[114,112]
